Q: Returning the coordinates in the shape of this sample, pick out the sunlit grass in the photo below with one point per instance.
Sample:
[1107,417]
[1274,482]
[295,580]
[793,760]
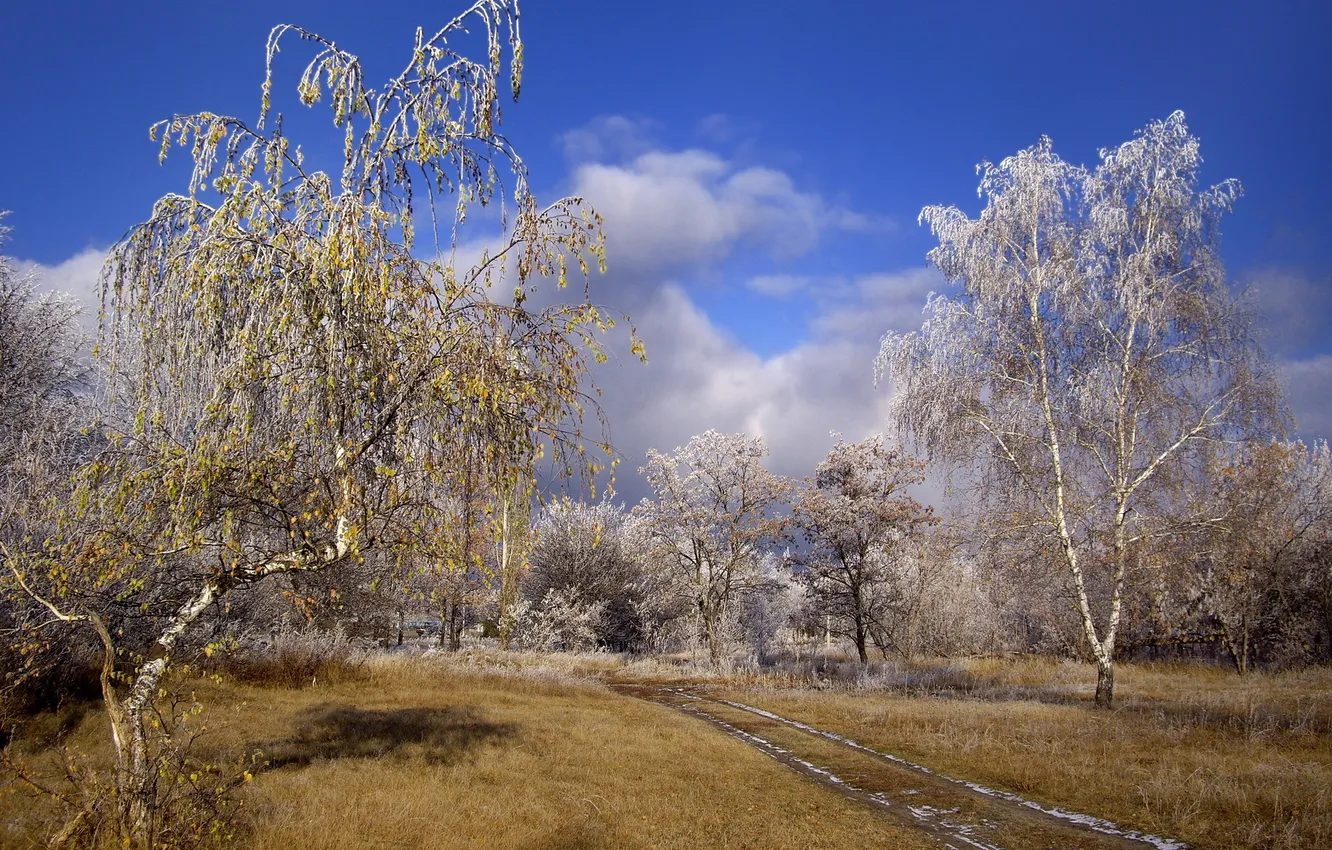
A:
[512,750]
[440,753]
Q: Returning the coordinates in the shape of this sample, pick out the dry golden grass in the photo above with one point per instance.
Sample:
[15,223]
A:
[1194,753]
[529,751]
[428,752]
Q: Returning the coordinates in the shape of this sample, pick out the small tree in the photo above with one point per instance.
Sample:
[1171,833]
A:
[1270,516]
[1093,350]
[773,606]
[712,518]
[859,520]
[289,385]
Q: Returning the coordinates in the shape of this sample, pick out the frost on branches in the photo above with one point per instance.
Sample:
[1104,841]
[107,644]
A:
[714,514]
[860,522]
[1088,357]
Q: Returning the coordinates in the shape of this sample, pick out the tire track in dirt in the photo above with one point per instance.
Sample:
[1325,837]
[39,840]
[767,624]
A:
[958,814]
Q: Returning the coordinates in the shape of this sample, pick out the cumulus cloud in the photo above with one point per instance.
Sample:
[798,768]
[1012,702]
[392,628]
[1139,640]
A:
[699,377]
[1309,384]
[1293,306]
[76,276]
[671,211]
[674,212]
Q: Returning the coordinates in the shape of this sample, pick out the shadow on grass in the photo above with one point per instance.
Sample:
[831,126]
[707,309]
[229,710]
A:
[571,837]
[436,735]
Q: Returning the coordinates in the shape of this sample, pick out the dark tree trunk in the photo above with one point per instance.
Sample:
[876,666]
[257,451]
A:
[1105,683]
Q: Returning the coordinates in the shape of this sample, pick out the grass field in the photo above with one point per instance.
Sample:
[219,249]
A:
[425,753]
[512,751]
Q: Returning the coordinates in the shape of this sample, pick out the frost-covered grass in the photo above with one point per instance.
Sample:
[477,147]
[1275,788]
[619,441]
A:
[487,750]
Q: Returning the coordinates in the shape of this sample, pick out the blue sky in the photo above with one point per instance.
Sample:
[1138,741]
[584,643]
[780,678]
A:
[760,164]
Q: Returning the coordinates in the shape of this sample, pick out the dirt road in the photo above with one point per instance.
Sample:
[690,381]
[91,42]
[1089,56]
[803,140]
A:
[959,815]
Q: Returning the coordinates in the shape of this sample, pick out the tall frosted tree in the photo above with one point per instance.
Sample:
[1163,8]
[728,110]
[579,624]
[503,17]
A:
[293,376]
[1089,354]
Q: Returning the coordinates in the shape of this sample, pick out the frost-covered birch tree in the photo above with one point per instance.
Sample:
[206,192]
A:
[293,375]
[714,512]
[1090,349]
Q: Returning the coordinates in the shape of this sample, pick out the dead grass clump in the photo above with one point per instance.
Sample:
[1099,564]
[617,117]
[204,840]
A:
[295,658]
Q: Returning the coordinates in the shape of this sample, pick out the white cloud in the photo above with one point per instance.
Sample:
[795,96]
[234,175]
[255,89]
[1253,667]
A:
[667,212]
[1293,306]
[78,276]
[1309,384]
[698,377]
[877,303]
[670,211]
[777,285]
[609,138]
